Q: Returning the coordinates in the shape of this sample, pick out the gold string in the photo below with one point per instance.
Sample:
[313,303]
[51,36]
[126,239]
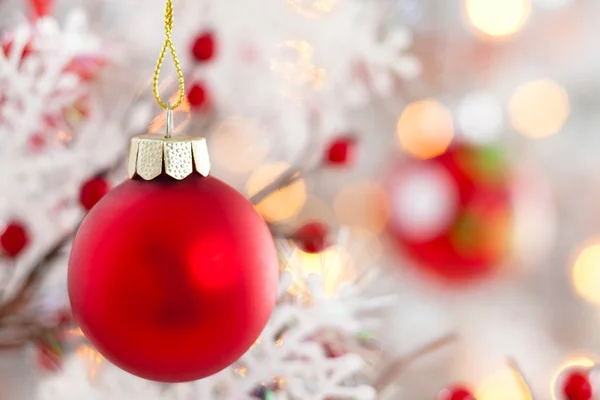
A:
[169,45]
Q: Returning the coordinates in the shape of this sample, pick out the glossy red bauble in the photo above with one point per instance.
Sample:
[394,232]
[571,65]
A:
[92,191]
[173,280]
[452,214]
[14,239]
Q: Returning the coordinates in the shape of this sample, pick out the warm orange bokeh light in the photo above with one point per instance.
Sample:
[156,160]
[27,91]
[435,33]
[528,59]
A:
[502,385]
[334,265]
[238,145]
[539,108]
[283,204]
[425,128]
[362,205]
[498,18]
[585,273]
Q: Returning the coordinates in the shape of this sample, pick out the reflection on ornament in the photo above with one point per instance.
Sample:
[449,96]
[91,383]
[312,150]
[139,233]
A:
[295,63]
[498,17]
[539,108]
[283,204]
[585,273]
[425,128]
[313,8]
[502,385]
[424,200]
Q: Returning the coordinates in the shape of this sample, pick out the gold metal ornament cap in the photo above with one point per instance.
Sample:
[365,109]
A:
[178,157]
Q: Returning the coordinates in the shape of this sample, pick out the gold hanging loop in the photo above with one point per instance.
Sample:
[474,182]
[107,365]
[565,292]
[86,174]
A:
[168,45]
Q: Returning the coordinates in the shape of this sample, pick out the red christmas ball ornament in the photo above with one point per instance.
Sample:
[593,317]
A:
[312,237]
[577,386]
[452,214]
[456,393]
[173,275]
[14,239]
[341,151]
[92,191]
[204,47]
[198,96]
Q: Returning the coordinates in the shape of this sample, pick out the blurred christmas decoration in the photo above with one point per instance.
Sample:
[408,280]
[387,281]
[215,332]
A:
[452,213]
[304,103]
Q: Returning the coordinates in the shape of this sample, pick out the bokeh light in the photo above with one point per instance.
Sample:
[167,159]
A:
[552,4]
[540,108]
[362,204]
[313,8]
[238,145]
[502,385]
[479,117]
[585,273]
[335,266]
[283,204]
[425,128]
[498,18]
[295,63]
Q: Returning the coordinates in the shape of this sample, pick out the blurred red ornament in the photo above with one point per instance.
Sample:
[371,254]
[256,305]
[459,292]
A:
[198,96]
[41,8]
[92,191]
[312,237]
[452,213]
[577,386]
[204,47]
[456,393]
[341,151]
[14,239]
[173,280]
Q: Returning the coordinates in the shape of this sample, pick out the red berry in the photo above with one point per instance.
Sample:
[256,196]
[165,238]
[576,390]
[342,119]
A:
[92,191]
[341,151]
[7,48]
[41,8]
[203,47]
[577,386]
[456,393]
[48,359]
[14,239]
[312,237]
[198,96]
